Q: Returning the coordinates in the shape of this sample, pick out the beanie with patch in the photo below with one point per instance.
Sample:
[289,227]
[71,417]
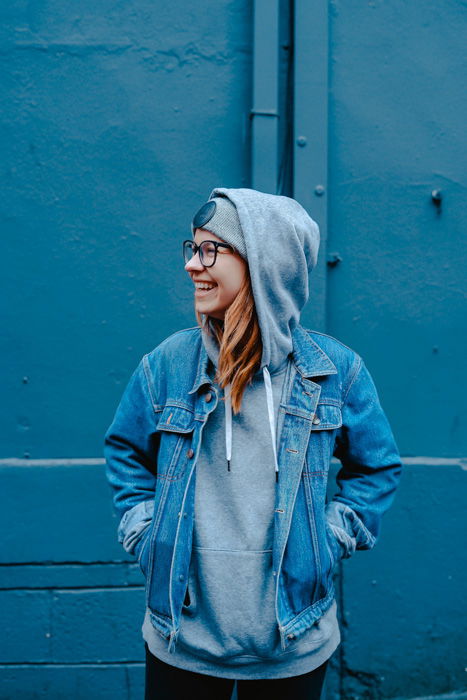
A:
[220,217]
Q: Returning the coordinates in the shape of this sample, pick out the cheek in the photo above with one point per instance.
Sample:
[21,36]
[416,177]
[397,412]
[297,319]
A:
[225,294]
[230,281]
[229,290]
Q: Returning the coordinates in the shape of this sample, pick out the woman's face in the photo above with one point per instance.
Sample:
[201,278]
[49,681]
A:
[227,275]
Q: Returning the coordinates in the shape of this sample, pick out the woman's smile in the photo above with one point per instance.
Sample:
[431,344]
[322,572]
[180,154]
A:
[200,292]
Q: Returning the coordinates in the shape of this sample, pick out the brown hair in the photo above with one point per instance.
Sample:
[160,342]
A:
[240,345]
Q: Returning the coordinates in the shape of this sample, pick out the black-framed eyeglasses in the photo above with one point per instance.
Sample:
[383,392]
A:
[207,251]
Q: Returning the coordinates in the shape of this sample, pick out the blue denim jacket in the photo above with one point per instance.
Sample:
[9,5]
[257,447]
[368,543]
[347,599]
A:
[330,407]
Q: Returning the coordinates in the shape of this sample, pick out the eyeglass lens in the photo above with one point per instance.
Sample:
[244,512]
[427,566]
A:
[207,252]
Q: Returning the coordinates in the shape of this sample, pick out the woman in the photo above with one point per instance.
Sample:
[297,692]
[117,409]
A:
[218,457]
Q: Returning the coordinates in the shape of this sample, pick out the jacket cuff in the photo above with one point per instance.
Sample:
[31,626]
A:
[348,529]
[134,524]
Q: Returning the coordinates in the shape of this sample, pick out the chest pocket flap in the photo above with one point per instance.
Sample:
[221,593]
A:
[327,416]
[176,419]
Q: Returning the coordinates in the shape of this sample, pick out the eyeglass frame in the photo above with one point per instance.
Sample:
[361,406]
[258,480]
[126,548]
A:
[196,248]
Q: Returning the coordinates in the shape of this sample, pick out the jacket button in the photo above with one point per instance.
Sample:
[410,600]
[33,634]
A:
[316,420]
[290,636]
[208,397]
[181,577]
[190,453]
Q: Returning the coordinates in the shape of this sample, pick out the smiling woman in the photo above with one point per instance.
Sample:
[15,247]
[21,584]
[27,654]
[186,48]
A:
[219,455]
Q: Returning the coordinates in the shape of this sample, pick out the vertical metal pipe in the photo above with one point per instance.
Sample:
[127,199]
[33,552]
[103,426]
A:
[265,112]
[311,132]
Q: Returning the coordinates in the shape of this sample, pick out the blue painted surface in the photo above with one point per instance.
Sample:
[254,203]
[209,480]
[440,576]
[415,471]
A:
[403,615]
[71,596]
[118,119]
[396,132]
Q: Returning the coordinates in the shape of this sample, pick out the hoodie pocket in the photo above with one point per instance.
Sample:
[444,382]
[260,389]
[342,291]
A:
[231,610]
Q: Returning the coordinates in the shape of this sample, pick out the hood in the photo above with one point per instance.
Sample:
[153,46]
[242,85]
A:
[282,243]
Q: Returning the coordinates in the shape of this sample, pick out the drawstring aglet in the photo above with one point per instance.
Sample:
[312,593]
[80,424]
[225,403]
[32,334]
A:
[228,465]
[277,477]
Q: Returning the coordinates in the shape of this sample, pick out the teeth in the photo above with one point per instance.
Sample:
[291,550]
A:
[204,285]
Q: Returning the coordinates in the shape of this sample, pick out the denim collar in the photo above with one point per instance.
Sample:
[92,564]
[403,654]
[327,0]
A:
[309,359]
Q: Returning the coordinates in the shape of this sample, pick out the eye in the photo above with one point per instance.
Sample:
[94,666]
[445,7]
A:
[209,250]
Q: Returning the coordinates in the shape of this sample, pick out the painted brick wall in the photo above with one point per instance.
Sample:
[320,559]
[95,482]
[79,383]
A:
[118,118]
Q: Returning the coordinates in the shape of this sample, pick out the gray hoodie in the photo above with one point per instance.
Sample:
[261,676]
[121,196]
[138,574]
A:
[282,243]
[228,627]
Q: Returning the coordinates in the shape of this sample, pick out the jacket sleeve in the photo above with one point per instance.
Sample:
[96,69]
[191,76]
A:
[371,466]
[130,448]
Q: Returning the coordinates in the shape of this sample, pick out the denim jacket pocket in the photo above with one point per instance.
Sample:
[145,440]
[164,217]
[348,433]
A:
[176,425]
[189,601]
[334,546]
[327,416]
[142,550]
[175,419]
[133,525]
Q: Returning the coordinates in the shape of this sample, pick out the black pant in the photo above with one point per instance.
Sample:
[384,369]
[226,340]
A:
[165,682]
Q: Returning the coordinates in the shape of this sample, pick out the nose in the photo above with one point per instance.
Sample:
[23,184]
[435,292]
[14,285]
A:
[194,263]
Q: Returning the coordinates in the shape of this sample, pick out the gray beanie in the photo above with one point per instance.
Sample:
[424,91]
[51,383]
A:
[219,215]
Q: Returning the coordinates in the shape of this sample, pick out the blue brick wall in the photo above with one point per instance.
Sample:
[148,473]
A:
[117,121]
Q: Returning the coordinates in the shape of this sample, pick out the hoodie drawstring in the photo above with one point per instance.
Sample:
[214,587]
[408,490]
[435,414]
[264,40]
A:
[267,383]
[228,420]
[228,425]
